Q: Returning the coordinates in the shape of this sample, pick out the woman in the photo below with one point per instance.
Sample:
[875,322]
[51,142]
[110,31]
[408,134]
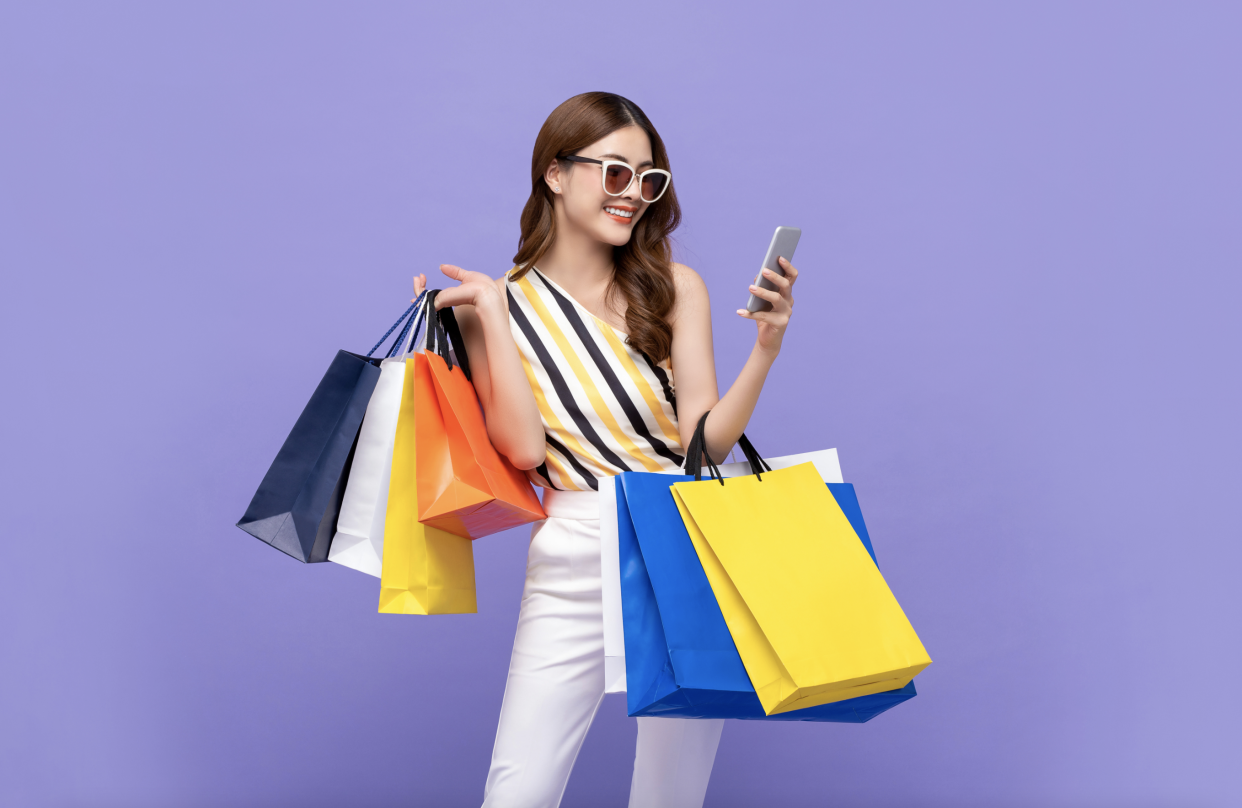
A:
[574,353]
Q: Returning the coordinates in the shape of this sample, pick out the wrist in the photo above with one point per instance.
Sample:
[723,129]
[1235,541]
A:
[489,304]
[766,353]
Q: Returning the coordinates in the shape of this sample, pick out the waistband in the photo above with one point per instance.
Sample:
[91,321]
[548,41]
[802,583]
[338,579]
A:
[578,505]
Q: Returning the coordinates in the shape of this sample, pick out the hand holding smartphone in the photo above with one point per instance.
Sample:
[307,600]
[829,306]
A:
[784,242]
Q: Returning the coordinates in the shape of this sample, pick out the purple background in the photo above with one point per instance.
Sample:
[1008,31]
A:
[1018,320]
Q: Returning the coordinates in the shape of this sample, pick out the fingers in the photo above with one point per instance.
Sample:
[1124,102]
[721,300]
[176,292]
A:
[454,296]
[772,296]
[791,272]
[420,283]
[456,273]
[782,284]
[774,319]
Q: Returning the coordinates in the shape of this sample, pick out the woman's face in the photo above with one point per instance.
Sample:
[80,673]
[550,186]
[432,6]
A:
[587,206]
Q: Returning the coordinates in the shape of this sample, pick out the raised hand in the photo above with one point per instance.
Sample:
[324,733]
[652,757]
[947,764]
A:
[772,323]
[475,289]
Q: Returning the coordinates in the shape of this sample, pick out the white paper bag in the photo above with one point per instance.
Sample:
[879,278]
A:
[610,574]
[359,539]
[826,463]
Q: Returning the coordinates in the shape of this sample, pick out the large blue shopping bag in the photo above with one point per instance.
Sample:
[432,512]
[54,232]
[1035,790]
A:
[680,660]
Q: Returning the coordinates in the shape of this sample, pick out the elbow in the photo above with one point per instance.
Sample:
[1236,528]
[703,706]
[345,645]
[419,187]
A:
[720,455]
[524,449]
[525,460]
[526,455]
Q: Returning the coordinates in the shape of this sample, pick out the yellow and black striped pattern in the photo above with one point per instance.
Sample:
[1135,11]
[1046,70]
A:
[606,408]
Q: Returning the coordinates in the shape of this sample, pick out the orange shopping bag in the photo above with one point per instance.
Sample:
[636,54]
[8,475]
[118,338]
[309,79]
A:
[465,486]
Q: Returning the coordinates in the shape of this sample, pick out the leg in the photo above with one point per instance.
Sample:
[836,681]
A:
[556,675]
[673,761]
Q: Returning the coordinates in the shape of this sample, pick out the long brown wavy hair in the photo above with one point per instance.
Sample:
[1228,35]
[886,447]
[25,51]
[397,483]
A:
[643,267]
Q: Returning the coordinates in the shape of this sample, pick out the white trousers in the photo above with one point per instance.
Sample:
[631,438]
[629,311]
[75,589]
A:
[556,681]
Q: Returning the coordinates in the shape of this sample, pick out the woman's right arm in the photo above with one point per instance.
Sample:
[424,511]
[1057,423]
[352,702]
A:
[513,421]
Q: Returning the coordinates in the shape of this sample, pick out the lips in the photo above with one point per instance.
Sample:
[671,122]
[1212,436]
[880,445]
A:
[622,214]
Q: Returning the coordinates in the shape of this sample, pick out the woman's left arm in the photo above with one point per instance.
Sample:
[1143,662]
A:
[694,365]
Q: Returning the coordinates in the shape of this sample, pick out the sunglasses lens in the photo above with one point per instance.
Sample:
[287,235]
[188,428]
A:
[617,179]
[653,186]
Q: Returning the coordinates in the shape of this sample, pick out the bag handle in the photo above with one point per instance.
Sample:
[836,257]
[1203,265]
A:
[696,453]
[407,318]
[400,320]
[409,334]
[443,333]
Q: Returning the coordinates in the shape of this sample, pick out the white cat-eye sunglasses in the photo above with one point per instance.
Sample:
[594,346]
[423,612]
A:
[618,176]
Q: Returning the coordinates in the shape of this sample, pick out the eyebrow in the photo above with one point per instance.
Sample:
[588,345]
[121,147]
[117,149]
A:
[625,159]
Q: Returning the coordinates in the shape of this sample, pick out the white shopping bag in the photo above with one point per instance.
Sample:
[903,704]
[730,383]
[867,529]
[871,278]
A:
[359,540]
[826,463]
[610,575]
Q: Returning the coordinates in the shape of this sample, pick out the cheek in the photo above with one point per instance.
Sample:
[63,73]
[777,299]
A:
[580,210]
[585,206]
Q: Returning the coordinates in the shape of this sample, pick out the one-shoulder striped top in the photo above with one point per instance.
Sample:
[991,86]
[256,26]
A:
[606,407]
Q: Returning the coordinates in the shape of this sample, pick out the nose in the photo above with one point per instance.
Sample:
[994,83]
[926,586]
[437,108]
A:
[632,194]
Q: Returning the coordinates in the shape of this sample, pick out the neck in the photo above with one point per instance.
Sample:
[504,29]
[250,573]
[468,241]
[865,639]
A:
[580,264]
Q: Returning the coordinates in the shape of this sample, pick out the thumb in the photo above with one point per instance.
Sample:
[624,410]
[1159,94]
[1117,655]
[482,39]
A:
[456,273]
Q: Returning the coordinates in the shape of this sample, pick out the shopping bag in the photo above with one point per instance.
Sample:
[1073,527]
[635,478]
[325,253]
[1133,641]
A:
[359,540]
[681,659]
[812,617]
[465,486]
[425,570]
[610,587]
[825,462]
[295,508]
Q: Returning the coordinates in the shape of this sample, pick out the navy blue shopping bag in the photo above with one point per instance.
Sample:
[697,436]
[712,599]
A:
[680,659]
[296,506]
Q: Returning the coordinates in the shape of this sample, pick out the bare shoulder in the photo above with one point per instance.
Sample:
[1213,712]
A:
[691,291]
[686,278]
[688,284]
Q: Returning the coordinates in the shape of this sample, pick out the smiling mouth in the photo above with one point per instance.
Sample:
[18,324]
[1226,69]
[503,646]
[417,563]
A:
[624,215]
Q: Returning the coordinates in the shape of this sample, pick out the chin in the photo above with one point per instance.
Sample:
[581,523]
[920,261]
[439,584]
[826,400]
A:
[602,229]
[616,239]
[610,234]
[616,235]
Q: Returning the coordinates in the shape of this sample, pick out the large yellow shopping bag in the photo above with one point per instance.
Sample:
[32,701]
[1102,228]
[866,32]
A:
[810,614]
[425,570]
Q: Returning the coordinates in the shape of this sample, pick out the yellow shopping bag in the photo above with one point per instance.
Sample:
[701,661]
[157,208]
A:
[425,570]
[812,618]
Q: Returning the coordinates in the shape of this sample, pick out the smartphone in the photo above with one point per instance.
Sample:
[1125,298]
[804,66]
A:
[784,242]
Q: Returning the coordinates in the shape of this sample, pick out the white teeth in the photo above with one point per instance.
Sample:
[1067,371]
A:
[618,212]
